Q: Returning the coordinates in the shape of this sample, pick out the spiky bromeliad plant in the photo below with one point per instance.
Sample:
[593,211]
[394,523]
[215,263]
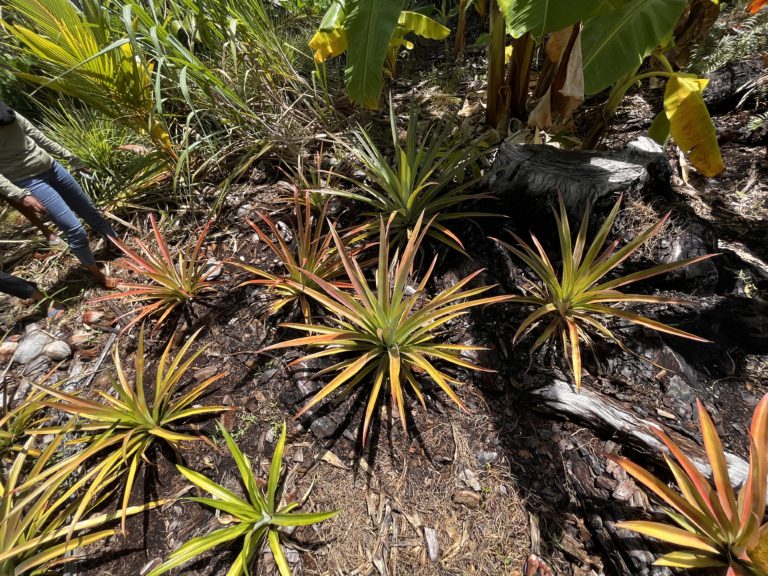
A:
[256,518]
[712,528]
[571,303]
[174,281]
[38,501]
[313,254]
[132,422]
[18,422]
[427,177]
[388,335]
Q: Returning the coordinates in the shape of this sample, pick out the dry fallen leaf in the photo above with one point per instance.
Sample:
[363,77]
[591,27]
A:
[332,459]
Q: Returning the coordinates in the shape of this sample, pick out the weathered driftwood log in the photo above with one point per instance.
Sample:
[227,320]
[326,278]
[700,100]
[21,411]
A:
[527,177]
[606,414]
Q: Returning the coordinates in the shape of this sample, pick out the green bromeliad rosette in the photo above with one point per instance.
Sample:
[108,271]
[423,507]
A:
[257,517]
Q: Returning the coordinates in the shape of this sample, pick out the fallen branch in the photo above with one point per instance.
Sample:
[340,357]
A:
[601,412]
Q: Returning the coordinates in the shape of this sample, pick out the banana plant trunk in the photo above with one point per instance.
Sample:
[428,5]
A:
[519,76]
[495,109]
[458,42]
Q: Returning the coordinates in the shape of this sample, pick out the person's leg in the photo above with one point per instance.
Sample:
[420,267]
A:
[61,215]
[76,198]
[50,236]
[19,287]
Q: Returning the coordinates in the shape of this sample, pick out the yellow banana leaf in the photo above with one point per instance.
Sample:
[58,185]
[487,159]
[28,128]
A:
[328,45]
[422,25]
[690,123]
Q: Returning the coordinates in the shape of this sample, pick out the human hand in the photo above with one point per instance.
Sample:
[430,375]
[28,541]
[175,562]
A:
[79,167]
[34,204]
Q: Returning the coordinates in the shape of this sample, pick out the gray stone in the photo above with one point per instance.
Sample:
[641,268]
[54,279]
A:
[291,555]
[31,347]
[33,327]
[484,458]
[267,375]
[302,390]
[37,366]
[58,350]
[244,211]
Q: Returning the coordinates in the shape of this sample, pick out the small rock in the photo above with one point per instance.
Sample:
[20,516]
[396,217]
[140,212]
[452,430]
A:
[270,435]
[484,458]
[213,268]
[292,395]
[29,328]
[470,479]
[285,231]
[291,555]
[267,376]
[467,498]
[31,347]
[244,211]
[57,350]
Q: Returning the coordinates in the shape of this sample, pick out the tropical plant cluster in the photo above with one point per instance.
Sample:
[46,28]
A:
[164,100]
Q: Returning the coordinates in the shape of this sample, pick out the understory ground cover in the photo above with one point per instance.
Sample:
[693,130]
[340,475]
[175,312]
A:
[415,325]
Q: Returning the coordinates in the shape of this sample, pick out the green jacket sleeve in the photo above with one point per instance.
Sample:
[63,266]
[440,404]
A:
[10,190]
[43,141]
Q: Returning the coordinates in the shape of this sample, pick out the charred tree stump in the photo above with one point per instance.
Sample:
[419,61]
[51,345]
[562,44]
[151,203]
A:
[526,178]
[727,85]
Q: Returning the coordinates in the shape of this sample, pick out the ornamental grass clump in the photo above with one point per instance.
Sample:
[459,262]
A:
[571,304]
[256,519]
[174,280]
[388,336]
[312,254]
[131,422]
[711,527]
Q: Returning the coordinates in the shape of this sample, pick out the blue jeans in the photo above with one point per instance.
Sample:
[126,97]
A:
[16,286]
[64,200]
